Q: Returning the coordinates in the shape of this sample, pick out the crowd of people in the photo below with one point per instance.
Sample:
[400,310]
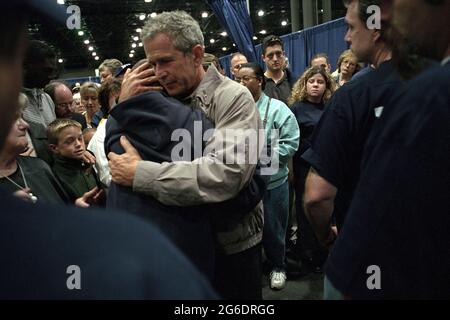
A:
[213,172]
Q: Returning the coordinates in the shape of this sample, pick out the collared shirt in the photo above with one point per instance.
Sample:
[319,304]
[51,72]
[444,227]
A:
[213,178]
[205,180]
[280,90]
[39,107]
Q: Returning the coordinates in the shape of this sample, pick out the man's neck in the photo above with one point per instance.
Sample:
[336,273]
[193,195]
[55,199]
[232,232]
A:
[257,96]
[382,55]
[276,75]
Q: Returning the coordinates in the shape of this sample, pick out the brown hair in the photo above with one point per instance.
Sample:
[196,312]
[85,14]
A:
[108,87]
[299,92]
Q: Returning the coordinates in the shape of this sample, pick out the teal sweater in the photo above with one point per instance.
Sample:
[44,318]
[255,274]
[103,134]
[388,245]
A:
[281,118]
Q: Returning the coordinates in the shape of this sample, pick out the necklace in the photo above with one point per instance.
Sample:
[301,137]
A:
[33,198]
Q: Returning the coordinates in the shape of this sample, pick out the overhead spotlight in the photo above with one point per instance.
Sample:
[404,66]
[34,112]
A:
[147,1]
[260,13]
[133,45]
[60,1]
[142,17]
[94,54]
[255,38]
[234,44]
[153,14]
[204,14]
[61,60]
[80,33]
[263,32]
[212,40]
[132,51]
[96,58]
[284,23]
[223,34]
[138,30]
[131,55]
[140,44]
[135,38]
[224,49]
[86,41]
[91,48]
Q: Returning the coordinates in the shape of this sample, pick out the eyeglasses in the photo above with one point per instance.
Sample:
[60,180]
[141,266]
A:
[244,79]
[64,105]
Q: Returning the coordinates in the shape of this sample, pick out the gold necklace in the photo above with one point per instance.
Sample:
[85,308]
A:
[33,198]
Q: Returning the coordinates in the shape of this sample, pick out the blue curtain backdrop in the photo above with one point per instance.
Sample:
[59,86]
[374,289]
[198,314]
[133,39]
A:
[301,46]
[234,17]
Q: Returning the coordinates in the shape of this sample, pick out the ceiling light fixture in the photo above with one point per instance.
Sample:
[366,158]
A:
[133,45]
[140,44]
[153,14]
[224,49]
[91,48]
[96,58]
[138,30]
[131,55]
[263,32]
[80,33]
[284,23]
[212,40]
[94,54]
[260,13]
[135,38]
[60,1]
[223,34]
[86,41]
[60,60]
[147,1]
[142,17]
[204,14]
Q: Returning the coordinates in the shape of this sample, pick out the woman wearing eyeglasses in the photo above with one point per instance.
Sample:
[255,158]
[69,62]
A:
[282,137]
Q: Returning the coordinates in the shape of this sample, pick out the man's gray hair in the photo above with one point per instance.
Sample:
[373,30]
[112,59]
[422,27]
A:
[179,26]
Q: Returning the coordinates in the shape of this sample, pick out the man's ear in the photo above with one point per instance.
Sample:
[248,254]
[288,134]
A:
[53,148]
[376,35]
[197,53]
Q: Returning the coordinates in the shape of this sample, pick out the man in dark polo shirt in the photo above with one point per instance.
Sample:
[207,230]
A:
[278,84]
[340,136]
[395,243]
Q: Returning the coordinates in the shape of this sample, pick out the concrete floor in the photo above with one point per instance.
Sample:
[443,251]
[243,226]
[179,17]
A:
[300,285]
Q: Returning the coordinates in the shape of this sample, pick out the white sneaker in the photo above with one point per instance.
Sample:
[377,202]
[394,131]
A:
[277,280]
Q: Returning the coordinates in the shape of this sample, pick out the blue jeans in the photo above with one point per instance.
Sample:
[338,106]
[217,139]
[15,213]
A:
[276,214]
